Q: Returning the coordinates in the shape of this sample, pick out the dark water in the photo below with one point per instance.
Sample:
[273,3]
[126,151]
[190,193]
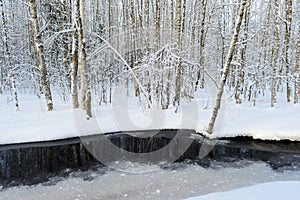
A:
[32,163]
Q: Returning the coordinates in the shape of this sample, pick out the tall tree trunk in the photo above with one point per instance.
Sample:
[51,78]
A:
[297,65]
[178,83]
[179,65]
[193,23]
[227,66]
[171,19]
[265,44]
[67,12]
[157,24]
[147,39]
[179,23]
[147,23]
[183,22]
[158,41]
[275,54]
[40,54]
[202,44]
[133,42]
[241,67]
[74,62]
[8,58]
[288,25]
[85,93]
[168,84]
[223,36]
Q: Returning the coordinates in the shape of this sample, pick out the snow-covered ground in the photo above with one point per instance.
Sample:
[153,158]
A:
[273,190]
[183,182]
[34,123]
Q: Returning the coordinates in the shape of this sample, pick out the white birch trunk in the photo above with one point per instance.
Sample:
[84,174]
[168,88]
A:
[201,49]
[8,59]
[85,93]
[288,24]
[241,74]
[179,23]
[40,55]
[227,67]
[297,65]
[275,54]
[74,61]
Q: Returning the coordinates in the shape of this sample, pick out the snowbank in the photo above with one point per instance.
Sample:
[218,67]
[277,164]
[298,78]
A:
[33,123]
[273,190]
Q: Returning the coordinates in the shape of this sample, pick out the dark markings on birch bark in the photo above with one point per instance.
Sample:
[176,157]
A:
[227,67]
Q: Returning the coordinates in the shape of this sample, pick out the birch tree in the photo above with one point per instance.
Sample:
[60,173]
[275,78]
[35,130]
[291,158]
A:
[157,24]
[171,19]
[227,66]
[40,55]
[275,54]
[202,44]
[85,93]
[266,60]
[297,64]
[241,67]
[288,25]
[74,61]
[179,23]
[178,65]
[8,60]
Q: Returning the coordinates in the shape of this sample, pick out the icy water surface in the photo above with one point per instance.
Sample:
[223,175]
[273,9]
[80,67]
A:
[65,169]
[178,181]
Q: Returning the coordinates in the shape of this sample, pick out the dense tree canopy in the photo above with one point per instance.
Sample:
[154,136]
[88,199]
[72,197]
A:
[160,51]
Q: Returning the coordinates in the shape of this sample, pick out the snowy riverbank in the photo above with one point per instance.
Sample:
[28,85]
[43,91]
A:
[33,123]
[272,190]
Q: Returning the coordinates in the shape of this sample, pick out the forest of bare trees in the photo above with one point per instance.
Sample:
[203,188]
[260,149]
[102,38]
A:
[161,51]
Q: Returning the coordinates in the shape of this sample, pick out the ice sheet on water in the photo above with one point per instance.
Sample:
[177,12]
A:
[179,183]
[133,167]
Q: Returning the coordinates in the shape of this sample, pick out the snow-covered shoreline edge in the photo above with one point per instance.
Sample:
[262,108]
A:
[87,137]
[32,124]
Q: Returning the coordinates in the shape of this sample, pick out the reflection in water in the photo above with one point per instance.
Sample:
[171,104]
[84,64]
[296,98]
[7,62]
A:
[35,163]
